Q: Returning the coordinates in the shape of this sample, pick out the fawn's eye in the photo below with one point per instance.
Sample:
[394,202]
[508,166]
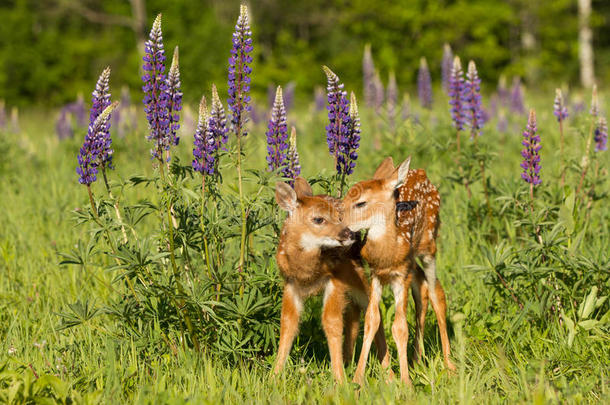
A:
[360,204]
[318,220]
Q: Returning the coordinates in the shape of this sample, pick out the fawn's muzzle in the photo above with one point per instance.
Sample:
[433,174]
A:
[346,235]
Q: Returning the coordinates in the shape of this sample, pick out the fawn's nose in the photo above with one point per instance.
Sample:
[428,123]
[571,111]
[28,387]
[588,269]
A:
[346,234]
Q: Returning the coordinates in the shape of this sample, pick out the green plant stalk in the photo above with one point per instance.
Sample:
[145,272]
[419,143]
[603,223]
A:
[585,162]
[97,218]
[172,257]
[563,172]
[242,244]
[116,205]
[205,238]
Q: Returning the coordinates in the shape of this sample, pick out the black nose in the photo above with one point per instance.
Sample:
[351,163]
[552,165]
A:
[346,234]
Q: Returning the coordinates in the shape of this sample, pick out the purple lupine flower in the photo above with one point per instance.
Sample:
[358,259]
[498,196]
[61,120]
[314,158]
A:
[80,111]
[239,73]
[175,98]
[530,154]
[578,107]
[289,90]
[338,112]
[319,98]
[210,135]
[559,108]
[203,152]
[218,121]
[457,95]
[292,168]
[100,99]
[503,93]
[446,66]
[601,135]
[424,84]
[349,144]
[156,95]
[90,155]
[516,97]
[368,77]
[392,100]
[277,133]
[379,93]
[472,97]
[63,126]
[594,111]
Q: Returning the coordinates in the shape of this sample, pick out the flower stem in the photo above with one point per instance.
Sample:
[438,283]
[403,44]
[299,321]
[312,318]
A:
[585,159]
[116,206]
[242,245]
[170,227]
[92,202]
[563,173]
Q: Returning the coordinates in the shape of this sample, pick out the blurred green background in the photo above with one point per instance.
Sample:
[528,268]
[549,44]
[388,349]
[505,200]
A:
[52,50]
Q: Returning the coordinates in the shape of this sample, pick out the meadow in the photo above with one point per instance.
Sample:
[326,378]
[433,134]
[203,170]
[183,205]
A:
[167,313]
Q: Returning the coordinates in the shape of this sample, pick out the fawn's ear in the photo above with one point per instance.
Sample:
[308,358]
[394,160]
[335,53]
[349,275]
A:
[385,169]
[286,197]
[302,188]
[400,174]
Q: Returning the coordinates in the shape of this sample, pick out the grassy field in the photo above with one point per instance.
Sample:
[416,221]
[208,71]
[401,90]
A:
[510,342]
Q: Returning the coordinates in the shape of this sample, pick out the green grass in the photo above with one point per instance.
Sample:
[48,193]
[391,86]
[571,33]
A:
[504,354]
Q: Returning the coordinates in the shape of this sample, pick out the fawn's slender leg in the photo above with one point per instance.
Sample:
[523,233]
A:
[420,297]
[332,323]
[400,329]
[352,324]
[292,305]
[439,304]
[371,327]
[360,292]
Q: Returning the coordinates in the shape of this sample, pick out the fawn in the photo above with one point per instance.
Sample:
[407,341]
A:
[400,209]
[316,251]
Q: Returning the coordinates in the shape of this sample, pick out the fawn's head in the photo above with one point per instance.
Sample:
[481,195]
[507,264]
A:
[313,222]
[370,203]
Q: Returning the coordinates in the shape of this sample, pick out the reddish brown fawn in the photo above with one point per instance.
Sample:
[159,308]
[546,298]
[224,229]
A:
[400,209]
[316,252]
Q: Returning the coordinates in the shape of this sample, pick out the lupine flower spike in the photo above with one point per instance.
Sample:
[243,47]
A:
[472,96]
[277,133]
[392,100]
[516,97]
[90,156]
[559,108]
[561,112]
[349,146]
[424,84]
[175,98]
[379,93]
[203,151]
[156,95]
[239,73]
[457,97]
[601,135]
[446,66]
[292,168]
[338,113]
[530,153]
[368,76]
[594,134]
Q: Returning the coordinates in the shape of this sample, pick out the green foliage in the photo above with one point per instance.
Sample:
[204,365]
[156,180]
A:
[50,51]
